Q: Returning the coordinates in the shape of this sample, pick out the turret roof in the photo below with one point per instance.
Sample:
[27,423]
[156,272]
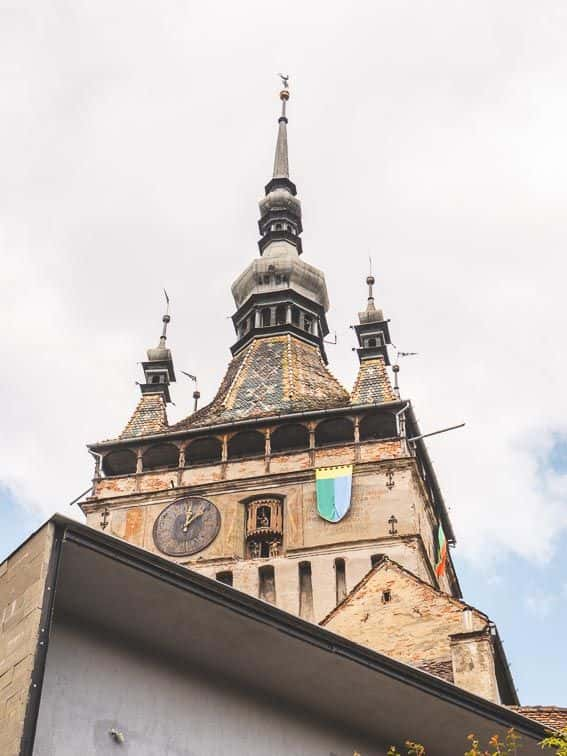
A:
[271,375]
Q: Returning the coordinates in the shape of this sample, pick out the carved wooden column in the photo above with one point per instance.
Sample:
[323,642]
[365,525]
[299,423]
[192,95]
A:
[357,439]
[311,427]
[181,465]
[224,456]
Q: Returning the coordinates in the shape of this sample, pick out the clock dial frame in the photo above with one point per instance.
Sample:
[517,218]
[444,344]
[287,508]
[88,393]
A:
[186,526]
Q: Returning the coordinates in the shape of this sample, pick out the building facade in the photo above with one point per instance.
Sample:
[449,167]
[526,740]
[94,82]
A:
[236,489]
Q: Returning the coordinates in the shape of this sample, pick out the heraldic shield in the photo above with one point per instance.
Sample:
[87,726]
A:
[334,488]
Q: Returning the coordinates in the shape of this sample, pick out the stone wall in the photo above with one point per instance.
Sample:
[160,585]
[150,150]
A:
[22,588]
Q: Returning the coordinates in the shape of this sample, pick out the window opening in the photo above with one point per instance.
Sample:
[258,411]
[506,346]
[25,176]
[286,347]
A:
[305,591]
[263,517]
[340,579]
[267,580]
[224,577]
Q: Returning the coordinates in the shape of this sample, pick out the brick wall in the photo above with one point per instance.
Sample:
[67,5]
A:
[22,584]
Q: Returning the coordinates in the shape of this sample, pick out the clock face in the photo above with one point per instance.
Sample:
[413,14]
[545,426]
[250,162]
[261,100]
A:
[186,526]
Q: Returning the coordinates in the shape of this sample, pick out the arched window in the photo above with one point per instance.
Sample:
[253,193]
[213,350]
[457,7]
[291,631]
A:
[336,431]
[203,450]
[340,579]
[288,437]
[280,314]
[267,583]
[161,457]
[121,462]
[246,444]
[305,591]
[266,317]
[378,425]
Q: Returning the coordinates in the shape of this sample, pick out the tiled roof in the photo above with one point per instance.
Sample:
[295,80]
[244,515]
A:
[372,383]
[270,376]
[553,717]
[149,417]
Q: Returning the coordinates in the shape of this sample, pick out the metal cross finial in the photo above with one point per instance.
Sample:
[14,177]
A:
[392,522]
[104,518]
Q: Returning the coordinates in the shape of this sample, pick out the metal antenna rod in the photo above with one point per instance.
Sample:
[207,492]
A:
[436,433]
[90,488]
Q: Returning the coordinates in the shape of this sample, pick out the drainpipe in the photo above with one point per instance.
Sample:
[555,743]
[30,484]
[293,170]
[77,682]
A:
[401,423]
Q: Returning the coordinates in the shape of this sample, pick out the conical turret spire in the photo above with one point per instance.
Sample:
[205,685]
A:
[281,160]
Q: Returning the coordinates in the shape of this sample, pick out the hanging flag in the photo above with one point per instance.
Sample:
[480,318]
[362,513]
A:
[334,487]
[441,552]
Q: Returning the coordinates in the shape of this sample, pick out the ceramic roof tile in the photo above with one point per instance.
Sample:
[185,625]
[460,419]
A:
[553,717]
[272,375]
[372,383]
[149,417]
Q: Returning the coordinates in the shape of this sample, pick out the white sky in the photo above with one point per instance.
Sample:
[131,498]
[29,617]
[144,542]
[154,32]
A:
[135,139]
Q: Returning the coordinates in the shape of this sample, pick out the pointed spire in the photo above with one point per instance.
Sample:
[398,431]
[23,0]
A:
[280,208]
[281,161]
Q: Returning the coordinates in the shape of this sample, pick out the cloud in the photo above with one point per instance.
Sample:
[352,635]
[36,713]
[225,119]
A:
[541,605]
[133,155]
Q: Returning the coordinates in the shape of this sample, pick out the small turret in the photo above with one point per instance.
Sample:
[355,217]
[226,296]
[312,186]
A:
[158,368]
[373,333]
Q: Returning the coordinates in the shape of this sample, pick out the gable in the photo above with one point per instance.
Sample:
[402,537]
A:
[396,613]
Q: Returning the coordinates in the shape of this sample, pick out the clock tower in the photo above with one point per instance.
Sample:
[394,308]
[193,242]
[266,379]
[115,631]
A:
[287,485]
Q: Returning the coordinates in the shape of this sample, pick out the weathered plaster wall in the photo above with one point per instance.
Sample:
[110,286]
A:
[473,663]
[22,586]
[379,491]
[94,683]
[414,626]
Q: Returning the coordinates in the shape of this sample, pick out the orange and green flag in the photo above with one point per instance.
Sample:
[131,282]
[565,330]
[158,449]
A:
[441,552]
[334,488]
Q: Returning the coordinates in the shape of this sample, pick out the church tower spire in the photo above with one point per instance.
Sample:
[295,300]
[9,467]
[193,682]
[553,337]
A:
[280,208]
[281,161]
[278,293]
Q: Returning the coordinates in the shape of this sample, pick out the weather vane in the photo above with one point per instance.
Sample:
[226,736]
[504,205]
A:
[285,80]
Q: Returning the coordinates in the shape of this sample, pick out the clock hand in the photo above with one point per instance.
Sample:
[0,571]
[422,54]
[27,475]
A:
[196,517]
[188,517]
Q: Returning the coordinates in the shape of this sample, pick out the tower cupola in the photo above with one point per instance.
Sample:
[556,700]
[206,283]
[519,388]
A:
[278,292]
[158,368]
[372,331]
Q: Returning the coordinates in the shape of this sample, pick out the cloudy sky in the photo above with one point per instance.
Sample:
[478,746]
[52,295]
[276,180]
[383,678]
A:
[135,139]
